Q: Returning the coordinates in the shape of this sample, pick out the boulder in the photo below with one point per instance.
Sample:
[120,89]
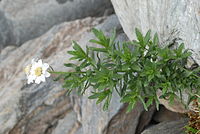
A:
[6,31]
[37,109]
[173,20]
[6,51]
[171,127]
[133,122]
[28,19]
[164,115]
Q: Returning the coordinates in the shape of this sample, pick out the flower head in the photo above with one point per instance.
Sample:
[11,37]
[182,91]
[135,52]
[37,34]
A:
[146,50]
[37,71]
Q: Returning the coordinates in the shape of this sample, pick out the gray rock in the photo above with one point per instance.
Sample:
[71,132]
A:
[34,108]
[35,115]
[166,115]
[172,19]
[5,52]
[66,125]
[32,18]
[130,123]
[173,127]
[6,33]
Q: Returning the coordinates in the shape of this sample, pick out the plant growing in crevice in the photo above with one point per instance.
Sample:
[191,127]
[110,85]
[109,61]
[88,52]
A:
[136,70]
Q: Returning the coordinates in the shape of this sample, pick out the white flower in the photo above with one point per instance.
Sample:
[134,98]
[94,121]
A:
[37,72]
[146,50]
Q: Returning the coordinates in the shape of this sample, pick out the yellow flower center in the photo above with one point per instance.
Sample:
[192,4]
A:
[38,71]
[27,69]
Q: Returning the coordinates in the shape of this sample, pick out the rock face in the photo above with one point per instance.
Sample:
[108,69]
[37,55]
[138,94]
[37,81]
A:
[6,33]
[37,108]
[164,115]
[28,19]
[174,21]
[173,127]
[130,123]
[45,108]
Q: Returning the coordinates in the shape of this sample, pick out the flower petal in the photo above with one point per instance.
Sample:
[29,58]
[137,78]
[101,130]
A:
[30,78]
[47,74]
[39,62]
[42,78]
[37,80]
[29,81]
[45,66]
[33,61]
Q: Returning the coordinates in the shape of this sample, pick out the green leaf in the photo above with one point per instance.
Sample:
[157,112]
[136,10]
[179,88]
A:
[136,67]
[100,99]
[128,98]
[149,102]
[98,42]
[150,77]
[98,49]
[112,39]
[70,65]
[107,102]
[78,48]
[144,104]
[98,33]
[125,67]
[157,102]
[131,106]
[95,96]
[190,129]
[102,38]
[155,39]
[147,37]
[180,48]
[139,36]
[164,90]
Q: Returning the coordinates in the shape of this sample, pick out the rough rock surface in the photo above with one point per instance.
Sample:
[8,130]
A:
[6,31]
[130,123]
[27,19]
[172,19]
[173,127]
[44,108]
[164,115]
[6,51]
[23,106]
[175,21]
